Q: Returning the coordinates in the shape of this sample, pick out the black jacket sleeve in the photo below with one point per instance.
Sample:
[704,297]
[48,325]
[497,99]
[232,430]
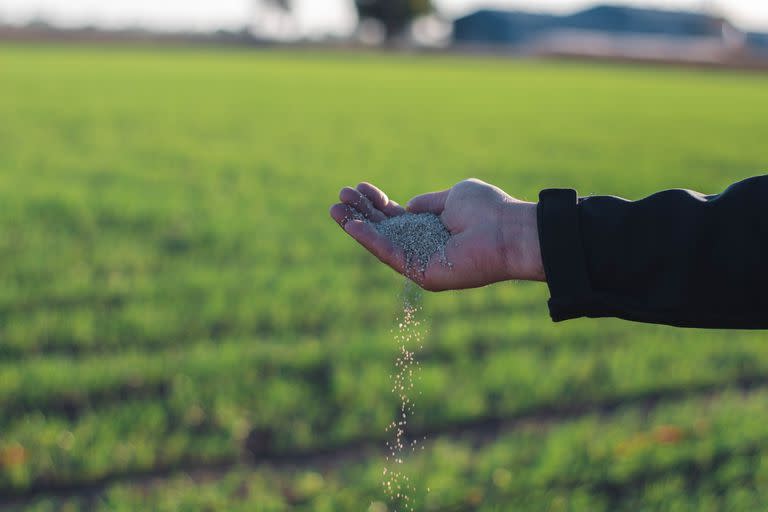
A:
[677,257]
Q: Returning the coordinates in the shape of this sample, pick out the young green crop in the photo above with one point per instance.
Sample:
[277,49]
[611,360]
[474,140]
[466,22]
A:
[171,285]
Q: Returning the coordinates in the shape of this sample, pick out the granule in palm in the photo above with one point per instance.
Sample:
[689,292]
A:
[419,235]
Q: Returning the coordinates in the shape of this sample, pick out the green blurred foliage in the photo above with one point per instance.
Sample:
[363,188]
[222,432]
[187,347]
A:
[174,296]
[394,15]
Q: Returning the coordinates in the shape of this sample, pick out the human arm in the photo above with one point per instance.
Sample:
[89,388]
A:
[677,257]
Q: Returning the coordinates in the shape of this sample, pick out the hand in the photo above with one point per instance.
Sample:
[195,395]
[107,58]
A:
[494,236]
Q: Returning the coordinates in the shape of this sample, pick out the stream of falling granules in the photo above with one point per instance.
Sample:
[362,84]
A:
[421,237]
[409,336]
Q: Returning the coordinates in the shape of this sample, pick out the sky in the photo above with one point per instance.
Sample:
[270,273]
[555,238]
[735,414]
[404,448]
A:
[313,17]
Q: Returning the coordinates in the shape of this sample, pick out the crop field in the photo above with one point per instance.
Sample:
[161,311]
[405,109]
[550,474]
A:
[182,326]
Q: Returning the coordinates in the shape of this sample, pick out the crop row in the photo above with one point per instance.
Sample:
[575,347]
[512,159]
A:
[175,302]
[228,400]
[704,455]
[210,304]
[543,366]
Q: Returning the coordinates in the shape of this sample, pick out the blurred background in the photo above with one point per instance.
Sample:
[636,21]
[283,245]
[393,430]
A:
[182,327]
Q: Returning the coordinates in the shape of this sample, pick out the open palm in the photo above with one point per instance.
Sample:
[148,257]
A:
[493,235]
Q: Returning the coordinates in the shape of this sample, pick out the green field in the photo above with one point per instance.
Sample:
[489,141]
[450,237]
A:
[182,327]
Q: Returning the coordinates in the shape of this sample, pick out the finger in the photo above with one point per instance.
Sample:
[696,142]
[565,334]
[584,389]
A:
[393,209]
[380,200]
[433,202]
[376,243]
[375,194]
[361,203]
[343,213]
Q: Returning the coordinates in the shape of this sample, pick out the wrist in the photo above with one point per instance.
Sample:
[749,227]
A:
[520,239]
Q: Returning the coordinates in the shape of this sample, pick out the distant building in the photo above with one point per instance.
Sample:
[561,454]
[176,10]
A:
[514,28]
[617,32]
[500,27]
[629,20]
[757,42]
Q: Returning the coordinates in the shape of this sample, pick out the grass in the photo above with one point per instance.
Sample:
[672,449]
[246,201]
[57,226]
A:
[175,303]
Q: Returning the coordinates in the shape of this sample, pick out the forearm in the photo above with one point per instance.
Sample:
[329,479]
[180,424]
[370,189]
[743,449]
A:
[520,242]
[676,257]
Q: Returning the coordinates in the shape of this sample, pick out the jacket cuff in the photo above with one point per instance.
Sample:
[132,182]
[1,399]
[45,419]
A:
[562,253]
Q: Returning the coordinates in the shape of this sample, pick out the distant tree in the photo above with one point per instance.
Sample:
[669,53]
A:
[278,11]
[394,15]
[283,5]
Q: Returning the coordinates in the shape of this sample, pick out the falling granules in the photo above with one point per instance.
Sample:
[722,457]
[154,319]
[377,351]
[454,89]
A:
[409,336]
[421,237]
